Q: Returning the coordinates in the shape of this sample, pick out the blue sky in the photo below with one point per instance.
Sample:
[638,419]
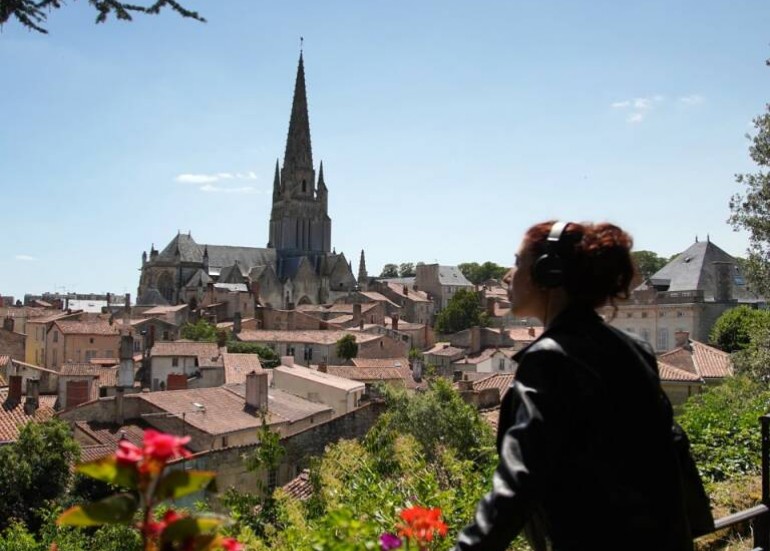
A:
[446,127]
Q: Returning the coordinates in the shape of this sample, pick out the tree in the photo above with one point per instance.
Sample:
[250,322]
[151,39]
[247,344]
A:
[389,270]
[478,273]
[33,13]
[750,210]
[733,330]
[648,262]
[35,471]
[406,269]
[267,356]
[347,347]
[462,312]
[201,330]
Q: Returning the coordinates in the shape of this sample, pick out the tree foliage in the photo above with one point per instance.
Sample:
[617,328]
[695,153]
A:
[750,210]
[35,472]
[347,347]
[478,273]
[735,329]
[389,270]
[267,356]
[648,262]
[406,269]
[201,330]
[723,426]
[462,312]
[34,13]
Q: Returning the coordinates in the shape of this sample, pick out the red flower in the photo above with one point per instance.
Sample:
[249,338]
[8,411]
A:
[159,446]
[155,528]
[128,453]
[171,516]
[231,544]
[421,524]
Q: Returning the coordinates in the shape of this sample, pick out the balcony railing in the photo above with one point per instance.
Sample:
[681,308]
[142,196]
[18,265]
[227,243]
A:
[759,515]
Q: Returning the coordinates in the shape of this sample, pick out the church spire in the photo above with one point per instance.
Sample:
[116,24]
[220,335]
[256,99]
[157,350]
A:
[321,183]
[276,182]
[362,275]
[298,151]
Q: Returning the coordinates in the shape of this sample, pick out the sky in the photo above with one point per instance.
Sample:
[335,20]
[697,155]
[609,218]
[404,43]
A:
[446,127]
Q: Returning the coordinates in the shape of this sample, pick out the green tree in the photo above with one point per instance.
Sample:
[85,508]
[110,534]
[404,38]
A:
[389,270]
[35,471]
[750,210]
[648,262]
[406,269]
[267,356]
[723,427]
[34,13]
[347,347]
[734,330]
[201,330]
[478,273]
[462,311]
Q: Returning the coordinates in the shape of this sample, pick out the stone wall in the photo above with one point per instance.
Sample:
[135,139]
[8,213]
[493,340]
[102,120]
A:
[12,344]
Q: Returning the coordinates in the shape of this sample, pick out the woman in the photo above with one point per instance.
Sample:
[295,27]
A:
[587,460]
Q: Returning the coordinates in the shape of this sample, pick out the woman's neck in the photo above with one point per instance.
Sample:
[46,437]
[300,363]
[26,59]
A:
[556,301]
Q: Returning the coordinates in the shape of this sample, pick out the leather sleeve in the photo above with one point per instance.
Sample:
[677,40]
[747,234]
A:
[524,447]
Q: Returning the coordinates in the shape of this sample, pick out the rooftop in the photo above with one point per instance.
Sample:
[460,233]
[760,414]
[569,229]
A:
[325,379]
[312,336]
[13,416]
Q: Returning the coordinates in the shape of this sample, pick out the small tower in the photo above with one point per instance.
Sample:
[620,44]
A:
[362,275]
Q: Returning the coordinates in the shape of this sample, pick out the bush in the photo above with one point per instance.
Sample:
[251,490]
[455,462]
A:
[734,329]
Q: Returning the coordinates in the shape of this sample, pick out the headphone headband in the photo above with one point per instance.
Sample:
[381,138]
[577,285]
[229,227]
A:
[548,269]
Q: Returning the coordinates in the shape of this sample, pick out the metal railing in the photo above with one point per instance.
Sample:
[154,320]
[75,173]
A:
[759,515]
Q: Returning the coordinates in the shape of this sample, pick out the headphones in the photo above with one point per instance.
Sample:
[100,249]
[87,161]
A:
[548,269]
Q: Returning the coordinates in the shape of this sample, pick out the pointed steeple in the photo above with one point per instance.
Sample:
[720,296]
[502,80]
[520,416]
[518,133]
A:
[298,151]
[276,182]
[362,275]
[321,183]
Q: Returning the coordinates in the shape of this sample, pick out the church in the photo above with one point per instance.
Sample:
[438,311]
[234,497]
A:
[298,266]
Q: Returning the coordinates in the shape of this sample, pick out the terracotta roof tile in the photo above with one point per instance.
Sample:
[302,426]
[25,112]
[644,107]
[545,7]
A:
[107,376]
[711,362]
[523,333]
[161,310]
[100,327]
[206,352]
[380,362]
[492,417]
[300,487]
[109,434]
[445,350]
[92,453]
[237,366]
[309,336]
[365,374]
[13,417]
[500,381]
[411,294]
[670,373]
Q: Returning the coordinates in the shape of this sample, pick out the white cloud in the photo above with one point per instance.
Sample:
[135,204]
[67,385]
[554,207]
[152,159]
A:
[210,188]
[621,104]
[635,118]
[642,103]
[25,257]
[638,107]
[188,178]
[692,99]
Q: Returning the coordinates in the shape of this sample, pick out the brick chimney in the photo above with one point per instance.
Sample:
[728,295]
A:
[475,339]
[323,368]
[14,389]
[394,317]
[405,290]
[8,323]
[682,339]
[33,396]
[531,331]
[237,323]
[256,391]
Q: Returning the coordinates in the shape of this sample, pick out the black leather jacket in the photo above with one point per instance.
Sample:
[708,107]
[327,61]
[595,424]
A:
[585,446]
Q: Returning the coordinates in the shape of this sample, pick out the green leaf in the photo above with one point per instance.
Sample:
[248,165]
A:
[117,509]
[107,469]
[177,484]
[190,527]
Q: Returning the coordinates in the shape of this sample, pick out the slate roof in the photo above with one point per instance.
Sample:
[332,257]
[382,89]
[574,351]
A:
[451,275]
[700,359]
[13,417]
[219,256]
[694,270]
[232,287]
[151,296]
[199,279]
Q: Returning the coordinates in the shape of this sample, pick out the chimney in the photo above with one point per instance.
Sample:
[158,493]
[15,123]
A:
[14,389]
[357,314]
[119,406]
[405,290]
[491,306]
[256,391]
[8,324]
[724,284]
[33,396]
[288,361]
[322,367]
[126,369]
[475,339]
[531,331]
[236,323]
[682,339]
[394,317]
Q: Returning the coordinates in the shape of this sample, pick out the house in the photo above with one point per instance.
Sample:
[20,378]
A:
[176,315]
[313,346]
[83,382]
[391,371]
[687,295]
[342,395]
[441,357]
[489,360]
[486,392]
[710,364]
[47,379]
[678,384]
[174,365]
[37,331]
[17,408]
[12,343]
[441,283]
[416,305]
[77,341]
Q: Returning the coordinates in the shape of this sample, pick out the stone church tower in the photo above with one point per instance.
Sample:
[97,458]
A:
[299,222]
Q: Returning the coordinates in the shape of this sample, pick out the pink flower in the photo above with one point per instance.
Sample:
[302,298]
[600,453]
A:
[389,541]
[128,453]
[231,544]
[162,447]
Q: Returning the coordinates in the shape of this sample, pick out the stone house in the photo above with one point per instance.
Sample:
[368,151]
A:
[441,283]
[342,395]
[489,360]
[83,382]
[416,306]
[182,364]
[37,333]
[46,380]
[176,315]
[12,343]
[75,341]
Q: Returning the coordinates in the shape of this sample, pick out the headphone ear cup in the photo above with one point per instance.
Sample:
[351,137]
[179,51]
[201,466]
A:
[548,271]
